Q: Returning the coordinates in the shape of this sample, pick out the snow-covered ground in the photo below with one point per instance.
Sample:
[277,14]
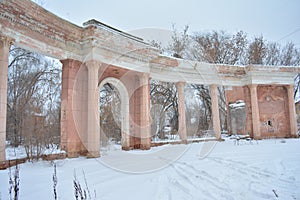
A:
[20,151]
[266,169]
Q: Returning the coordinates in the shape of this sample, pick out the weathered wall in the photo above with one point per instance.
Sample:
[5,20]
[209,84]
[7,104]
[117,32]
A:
[273,111]
[234,94]
[237,116]
[36,29]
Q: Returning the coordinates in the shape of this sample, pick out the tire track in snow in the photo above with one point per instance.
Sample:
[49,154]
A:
[255,172]
[185,180]
[163,191]
[253,185]
[184,183]
[200,180]
[265,180]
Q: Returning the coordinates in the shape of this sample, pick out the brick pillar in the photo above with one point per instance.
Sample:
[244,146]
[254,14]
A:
[145,116]
[70,138]
[5,44]
[134,109]
[181,112]
[93,127]
[255,112]
[215,110]
[292,110]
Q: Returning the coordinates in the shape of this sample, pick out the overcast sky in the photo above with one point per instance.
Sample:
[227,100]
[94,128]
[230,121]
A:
[276,20]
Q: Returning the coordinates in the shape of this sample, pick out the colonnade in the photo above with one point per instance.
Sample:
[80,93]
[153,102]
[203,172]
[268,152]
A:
[79,136]
[86,108]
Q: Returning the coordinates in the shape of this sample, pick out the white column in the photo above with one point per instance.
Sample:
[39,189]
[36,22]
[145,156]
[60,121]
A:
[5,44]
[255,112]
[181,112]
[215,110]
[145,125]
[292,110]
[93,128]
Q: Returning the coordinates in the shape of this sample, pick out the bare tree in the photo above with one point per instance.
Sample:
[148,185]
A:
[164,104]
[33,100]
[218,47]
[290,55]
[14,183]
[55,181]
[256,51]
[180,43]
[272,56]
[110,108]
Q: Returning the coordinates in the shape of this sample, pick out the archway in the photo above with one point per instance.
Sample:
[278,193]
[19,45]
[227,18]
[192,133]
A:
[124,97]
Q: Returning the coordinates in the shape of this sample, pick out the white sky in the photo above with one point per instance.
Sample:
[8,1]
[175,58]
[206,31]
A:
[276,20]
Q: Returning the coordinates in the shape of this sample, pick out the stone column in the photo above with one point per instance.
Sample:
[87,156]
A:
[145,116]
[181,112]
[215,110]
[255,112]
[125,117]
[93,128]
[5,44]
[70,136]
[292,110]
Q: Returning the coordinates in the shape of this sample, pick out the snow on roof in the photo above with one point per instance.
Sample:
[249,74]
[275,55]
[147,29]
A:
[237,104]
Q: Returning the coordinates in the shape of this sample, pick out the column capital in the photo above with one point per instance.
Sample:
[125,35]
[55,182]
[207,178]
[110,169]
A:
[72,61]
[6,41]
[71,64]
[144,76]
[213,86]
[143,79]
[92,64]
[291,86]
[253,85]
[180,84]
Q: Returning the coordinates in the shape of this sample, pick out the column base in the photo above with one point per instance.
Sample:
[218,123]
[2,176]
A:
[73,154]
[145,143]
[219,138]
[184,141]
[127,148]
[93,154]
[3,165]
[145,146]
[292,136]
[257,138]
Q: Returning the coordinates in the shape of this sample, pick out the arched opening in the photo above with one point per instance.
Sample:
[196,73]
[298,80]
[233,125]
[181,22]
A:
[121,119]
